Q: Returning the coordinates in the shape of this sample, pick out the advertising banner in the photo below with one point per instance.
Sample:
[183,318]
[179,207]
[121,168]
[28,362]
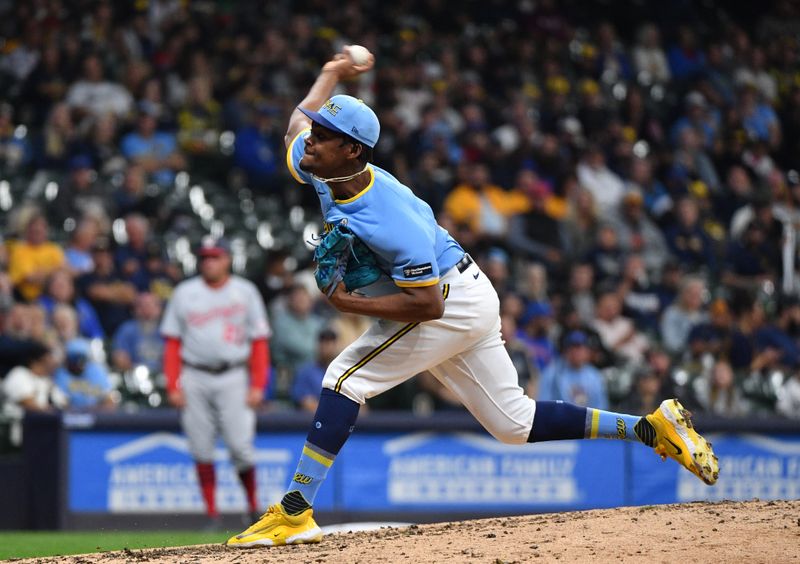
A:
[152,472]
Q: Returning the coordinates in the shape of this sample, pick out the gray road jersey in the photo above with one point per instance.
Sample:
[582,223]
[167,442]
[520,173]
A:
[215,325]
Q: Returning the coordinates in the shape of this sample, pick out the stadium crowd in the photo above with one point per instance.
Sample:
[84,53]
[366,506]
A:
[626,175]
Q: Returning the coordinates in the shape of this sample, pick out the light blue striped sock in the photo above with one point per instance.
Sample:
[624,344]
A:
[609,425]
[311,472]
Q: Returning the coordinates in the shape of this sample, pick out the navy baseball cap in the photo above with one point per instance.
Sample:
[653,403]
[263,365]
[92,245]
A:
[350,116]
[536,310]
[576,338]
[213,247]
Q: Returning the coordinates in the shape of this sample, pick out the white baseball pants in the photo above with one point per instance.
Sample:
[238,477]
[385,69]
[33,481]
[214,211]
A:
[463,350]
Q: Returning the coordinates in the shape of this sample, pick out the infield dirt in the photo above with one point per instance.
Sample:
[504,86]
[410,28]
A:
[752,532]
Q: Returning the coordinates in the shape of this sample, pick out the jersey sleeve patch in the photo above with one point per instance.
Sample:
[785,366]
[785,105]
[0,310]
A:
[293,155]
[418,270]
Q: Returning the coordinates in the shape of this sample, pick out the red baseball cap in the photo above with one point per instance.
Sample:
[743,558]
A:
[213,247]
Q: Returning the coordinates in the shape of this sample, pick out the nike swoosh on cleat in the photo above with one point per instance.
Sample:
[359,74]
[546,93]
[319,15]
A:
[677,448]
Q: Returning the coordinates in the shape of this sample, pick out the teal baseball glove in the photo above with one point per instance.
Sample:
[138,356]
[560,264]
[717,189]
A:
[343,257]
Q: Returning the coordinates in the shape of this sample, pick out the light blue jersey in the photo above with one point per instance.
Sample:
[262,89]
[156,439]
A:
[397,226]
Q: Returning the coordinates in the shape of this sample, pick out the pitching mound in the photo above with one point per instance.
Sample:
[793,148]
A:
[754,531]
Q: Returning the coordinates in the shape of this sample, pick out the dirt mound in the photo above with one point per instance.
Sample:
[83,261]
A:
[756,531]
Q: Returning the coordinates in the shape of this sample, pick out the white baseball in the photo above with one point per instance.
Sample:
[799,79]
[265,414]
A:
[358,54]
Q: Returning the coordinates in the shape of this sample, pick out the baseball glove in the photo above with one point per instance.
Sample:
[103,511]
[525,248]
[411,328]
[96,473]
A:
[343,257]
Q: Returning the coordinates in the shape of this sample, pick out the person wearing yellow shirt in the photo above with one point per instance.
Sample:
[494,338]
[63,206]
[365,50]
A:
[33,259]
[482,207]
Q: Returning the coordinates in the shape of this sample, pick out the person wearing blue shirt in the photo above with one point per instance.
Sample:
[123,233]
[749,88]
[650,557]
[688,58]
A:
[307,382]
[156,151]
[434,310]
[257,148]
[85,383]
[139,340]
[571,378]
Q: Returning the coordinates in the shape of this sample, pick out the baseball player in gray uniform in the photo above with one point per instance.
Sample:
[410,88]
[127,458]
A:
[216,360]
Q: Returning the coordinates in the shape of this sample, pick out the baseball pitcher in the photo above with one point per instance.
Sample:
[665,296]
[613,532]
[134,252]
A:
[437,311]
[215,361]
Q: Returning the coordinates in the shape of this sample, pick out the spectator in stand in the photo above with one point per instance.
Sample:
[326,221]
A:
[133,197]
[737,193]
[199,119]
[535,327]
[308,379]
[649,58]
[580,292]
[640,298]
[15,152]
[60,289]
[687,240]
[685,313]
[78,253]
[699,117]
[257,149]
[751,261]
[129,258]
[638,234]
[759,119]
[754,73]
[606,187]
[719,393]
[537,233]
[481,208]
[94,95]
[47,83]
[155,151]
[84,382]
[692,164]
[582,224]
[686,58]
[108,291]
[612,60]
[571,378]
[58,138]
[761,385]
[618,333]
[139,341]
[656,200]
[645,395]
[606,256]
[296,329]
[64,320]
[29,387]
[102,145]
[82,194]
[34,258]
[761,210]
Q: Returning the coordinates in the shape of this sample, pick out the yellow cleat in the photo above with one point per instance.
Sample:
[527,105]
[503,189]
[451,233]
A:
[676,438]
[276,527]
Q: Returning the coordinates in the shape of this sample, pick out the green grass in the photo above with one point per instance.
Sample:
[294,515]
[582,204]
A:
[26,544]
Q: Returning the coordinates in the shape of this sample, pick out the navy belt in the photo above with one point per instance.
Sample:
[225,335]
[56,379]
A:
[215,369]
[464,263]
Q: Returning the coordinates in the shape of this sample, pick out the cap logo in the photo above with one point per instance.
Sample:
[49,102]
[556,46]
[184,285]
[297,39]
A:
[332,108]
[355,130]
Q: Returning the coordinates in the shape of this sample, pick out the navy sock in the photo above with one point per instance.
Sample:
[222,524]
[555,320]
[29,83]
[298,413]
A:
[557,420]
[333,422]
